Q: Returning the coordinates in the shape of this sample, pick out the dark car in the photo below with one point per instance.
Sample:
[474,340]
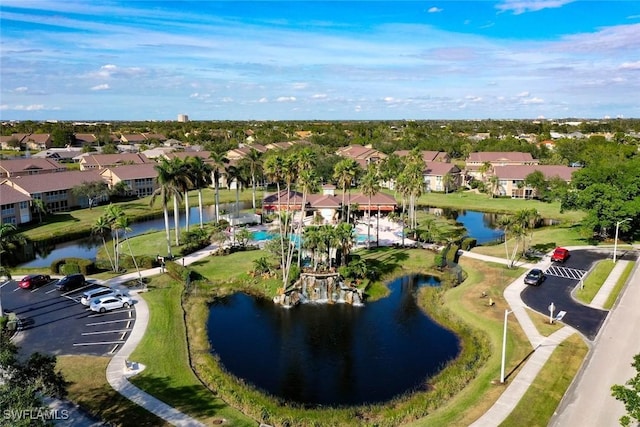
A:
[70,282]
[560,255]
[32,281]
[534,277]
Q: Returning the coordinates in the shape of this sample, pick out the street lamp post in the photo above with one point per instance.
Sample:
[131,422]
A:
[504,345]
[615,241]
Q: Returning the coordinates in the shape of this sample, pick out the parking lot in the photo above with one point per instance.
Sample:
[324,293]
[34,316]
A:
[562,279]
[56,322]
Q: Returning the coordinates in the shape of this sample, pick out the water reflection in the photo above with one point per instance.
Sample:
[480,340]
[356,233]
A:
[332,354]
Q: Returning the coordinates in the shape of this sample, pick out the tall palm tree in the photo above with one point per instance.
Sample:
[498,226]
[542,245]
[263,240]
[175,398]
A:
[311,241]
[493,185]
[253,162]
[201,174]
[238,175]
[122,223]
[112,214]
[308,182]
[219,162]
[346,173]
[182,182]
[166,188]
[102,228]
[370,186]
[39,207]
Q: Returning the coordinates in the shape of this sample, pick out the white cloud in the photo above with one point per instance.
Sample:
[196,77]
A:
[300,85]
[319,96]
[523,94]
[32,107]
[263,100]
[533,100]
[21,89]
[434,9]
[103,86]
[630,65]
[521,6]
[286,99]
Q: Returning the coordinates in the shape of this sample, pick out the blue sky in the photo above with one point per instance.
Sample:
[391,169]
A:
[337,60]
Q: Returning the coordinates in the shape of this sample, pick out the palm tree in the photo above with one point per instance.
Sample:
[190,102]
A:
[253,162]
[238,175]
[447,182]
[182,182]
[370,187]
[166,188]
[112,214]
[122,223]
[344,234]
[311,241]
[308,181]
[493,185]
[345,173]
[102,228]
[219,163]
[201,174]
[39,207]
[483,169]
[10,240]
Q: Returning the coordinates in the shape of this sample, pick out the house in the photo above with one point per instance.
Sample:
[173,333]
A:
[154,137]
[62,155]
[511,178]
[443,177]
[476,161]
[427,156]
[12,142]
[37,141]
[55,193]
[139,179]
[132,138]
[101,161]
[83,139]
[29,166]
[156,152]
[14,205]
[362,154]
[243,150]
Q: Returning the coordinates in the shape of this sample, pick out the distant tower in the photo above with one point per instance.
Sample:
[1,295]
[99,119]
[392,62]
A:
[183,118]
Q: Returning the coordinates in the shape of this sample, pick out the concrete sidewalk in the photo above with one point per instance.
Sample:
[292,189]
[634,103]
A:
[119,368]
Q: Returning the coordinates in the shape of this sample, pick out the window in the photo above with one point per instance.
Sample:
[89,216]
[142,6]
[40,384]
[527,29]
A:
[24,205]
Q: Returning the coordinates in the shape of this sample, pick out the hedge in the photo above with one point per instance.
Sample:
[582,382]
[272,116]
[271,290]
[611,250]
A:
[73,265]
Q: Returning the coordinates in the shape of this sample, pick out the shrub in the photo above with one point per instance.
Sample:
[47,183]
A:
[452,254]
[468,244]
[144,261]
[69,268]
[84,266]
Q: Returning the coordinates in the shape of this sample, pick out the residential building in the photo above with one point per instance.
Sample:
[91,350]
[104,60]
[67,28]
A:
[132,138]
[139,179]
[427,156]
[243,150]
[55,193]
[15,206]
[476,161]
[83,139]
[37,141]
[362,154]
[62,155]
[511,178]
[29,166]
[183,118]
[442,177]
[101,161]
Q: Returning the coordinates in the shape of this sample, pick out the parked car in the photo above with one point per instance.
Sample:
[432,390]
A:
[70,282]
[110,303]
[534,277]
[560,255]
[93,294]
[32,281]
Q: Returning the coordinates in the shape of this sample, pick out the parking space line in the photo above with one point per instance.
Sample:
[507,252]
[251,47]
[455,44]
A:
[107,322]
[110,312]
[97,343]
[115,347]
[107,332]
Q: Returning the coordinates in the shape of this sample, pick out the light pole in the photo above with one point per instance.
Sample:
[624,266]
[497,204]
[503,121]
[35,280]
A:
[615,242]
[504,345]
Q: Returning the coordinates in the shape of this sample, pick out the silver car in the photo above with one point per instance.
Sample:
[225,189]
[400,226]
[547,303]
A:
[93,294]
[110,303]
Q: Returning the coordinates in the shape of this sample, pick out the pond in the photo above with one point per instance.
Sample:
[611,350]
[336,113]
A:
[87,247]
[332,354]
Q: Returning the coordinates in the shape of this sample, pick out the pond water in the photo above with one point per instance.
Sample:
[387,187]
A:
[87,247]
[481,226]
[334,354]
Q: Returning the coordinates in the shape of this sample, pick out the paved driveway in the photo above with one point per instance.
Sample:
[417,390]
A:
[56,323]
[561,280]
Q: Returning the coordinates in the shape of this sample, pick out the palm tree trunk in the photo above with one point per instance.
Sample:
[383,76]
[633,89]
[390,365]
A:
[186,210]
[176,219]
[104,245]
[217,199]
[200,206]
[165,210]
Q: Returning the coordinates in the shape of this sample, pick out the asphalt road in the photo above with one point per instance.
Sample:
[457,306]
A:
[54,322]
[562,279]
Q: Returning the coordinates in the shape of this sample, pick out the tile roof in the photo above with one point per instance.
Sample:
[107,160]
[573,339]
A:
[9,195]
[516,172]
[104,160]
[499,156]
[125,172]
[440,168]
[16,167]
[63,181]
[184,154]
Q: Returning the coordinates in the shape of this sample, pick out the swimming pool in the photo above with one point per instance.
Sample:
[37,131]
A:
[262,235]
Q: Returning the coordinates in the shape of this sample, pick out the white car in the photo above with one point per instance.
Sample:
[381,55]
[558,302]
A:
[96,293]
[110,303]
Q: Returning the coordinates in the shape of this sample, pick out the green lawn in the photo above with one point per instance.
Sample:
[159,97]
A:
[594,281]
[163,351]
[613,296]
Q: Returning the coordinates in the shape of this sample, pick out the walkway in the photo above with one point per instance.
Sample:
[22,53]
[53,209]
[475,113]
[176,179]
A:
[542,346]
